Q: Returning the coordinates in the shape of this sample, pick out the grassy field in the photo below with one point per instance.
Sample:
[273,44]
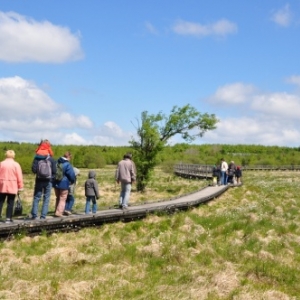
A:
[243,245]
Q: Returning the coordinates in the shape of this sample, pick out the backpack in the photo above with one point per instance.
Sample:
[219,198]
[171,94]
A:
[231,172]
[44,170]
[59,172]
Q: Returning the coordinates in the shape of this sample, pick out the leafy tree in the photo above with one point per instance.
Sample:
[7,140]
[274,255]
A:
[155,131]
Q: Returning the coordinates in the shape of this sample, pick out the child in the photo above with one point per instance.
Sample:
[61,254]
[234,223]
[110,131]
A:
[216,175]
[44,148]
[70,199]
[91,192]
[238,174]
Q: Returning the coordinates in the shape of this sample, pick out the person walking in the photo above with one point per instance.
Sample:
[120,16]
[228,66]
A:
[224,169]
[91,192]
[216,175]
[71,195]
[44,168]
[11,182]
[126,175]
[64,177]
[238,174]
[231,172]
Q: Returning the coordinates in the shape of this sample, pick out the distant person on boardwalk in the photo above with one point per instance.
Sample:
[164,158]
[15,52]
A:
[231,172]
[71,195]
[65,176]
[224,169]
[216,175]
[11,182]
[238,174]
[91,192]
[44,168]
[126,175]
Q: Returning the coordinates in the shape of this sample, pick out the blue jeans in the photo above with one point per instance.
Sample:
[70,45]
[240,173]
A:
[88,204]
[69,202]
[125,194]
[223,177]
[41,188]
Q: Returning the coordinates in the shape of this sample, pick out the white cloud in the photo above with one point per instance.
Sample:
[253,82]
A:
[26,109]
[150,28]
[19,97]
[23,39]
[256,130]
[28,114]
[283,16]
[220,28]
[112,134]
[74,139]
[281,105]
[233,93]
[294,80]
[250,116]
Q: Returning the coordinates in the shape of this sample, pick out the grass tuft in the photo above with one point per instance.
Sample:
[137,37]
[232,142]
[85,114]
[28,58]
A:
[242,245]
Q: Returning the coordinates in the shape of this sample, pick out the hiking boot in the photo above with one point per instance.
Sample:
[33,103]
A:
[58,215]
[67,213]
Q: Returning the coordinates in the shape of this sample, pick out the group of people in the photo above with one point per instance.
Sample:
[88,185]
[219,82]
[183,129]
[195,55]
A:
[224,173]
[61,176]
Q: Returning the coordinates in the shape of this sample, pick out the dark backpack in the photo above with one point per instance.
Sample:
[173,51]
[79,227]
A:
[44,170]
[59,172]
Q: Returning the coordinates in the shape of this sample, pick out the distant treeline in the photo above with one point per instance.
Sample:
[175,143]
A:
[94,157]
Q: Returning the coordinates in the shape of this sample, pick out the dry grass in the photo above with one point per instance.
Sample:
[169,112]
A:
[242,246]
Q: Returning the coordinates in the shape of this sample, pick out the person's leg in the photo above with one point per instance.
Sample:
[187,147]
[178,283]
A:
[2,199]
[122,193]
[46,199]
[62,202]
[10,206]
[57,195]
[70,198]
[127,194]
[69,203]
[222,177]
[37,194]
[87,205]
[94,207]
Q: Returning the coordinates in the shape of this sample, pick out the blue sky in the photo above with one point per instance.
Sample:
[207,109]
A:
[81,72]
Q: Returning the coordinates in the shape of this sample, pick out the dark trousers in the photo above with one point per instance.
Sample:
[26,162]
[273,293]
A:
[10,204]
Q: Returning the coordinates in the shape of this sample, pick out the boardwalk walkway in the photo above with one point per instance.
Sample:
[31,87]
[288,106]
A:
[78,221]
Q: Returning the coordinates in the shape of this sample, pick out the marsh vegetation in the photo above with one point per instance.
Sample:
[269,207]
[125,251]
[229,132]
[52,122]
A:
[242,245]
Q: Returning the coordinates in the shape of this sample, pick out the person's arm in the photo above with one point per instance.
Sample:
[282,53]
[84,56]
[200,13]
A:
[70,174]
[133,172]
[19,177]
[34,166]
[117,174]
[96,189]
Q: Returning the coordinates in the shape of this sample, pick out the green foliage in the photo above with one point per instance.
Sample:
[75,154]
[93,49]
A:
[242,245]
[164,155]
[156,130]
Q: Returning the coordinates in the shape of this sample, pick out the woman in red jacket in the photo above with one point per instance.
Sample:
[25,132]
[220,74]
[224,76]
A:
[11,182]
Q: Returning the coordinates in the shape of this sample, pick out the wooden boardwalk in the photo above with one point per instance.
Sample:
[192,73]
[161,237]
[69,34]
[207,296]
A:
[77,221]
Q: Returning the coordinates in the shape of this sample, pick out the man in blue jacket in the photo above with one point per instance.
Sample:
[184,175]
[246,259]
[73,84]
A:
[61,185]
